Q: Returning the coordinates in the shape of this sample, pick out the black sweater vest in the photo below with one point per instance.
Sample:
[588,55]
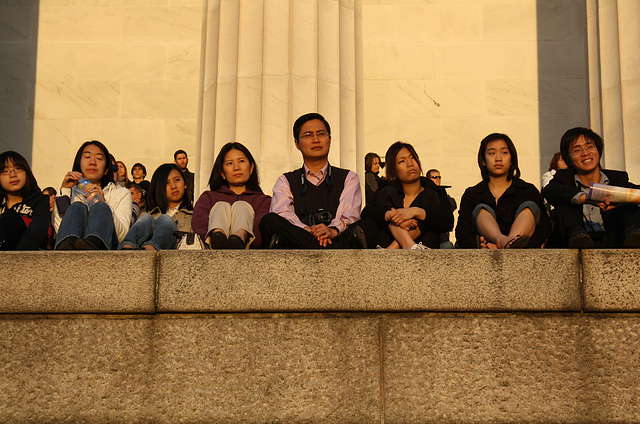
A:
[325,196]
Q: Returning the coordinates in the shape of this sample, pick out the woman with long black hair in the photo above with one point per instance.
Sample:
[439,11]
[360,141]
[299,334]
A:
[228,215]
[170,210]
[24,210]
[97,213]
[502,211]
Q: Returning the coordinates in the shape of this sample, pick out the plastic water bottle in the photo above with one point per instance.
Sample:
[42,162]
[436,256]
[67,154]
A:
[95,199]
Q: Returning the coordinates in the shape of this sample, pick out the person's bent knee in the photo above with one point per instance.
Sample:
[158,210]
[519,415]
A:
[77,206]
[220,207]
[97,207]
[146,220]
[165,219]
[533,207]
[476,212]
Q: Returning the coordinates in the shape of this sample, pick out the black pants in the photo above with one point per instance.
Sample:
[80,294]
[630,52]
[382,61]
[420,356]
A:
[618,223]
[294,237]
[11,228]
[391,198]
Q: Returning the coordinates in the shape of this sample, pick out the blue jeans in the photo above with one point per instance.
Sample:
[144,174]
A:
[149,231]
[82,222]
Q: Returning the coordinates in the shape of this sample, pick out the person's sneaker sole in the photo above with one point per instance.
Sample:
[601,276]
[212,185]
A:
[632,241]
[580,241]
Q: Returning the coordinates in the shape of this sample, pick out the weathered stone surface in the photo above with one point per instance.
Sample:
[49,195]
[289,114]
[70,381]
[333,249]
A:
[190,369]
[533,368]
[373,280]
[611,280]
[75,369]
[77,282]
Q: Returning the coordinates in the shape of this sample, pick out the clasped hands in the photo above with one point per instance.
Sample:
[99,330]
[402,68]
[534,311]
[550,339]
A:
[403,218]
[322,233]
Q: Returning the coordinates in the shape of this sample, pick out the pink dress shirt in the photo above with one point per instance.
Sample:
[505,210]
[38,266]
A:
[348,209]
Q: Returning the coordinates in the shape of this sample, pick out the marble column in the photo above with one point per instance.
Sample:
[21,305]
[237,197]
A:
[267,62]
[614,80]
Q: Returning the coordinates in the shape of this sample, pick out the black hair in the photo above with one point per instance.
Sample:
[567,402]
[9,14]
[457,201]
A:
[390,160]
[108,176]
[297,126]
[157,196]
[428,174]
[571,136]
[30,185]
[50,191]
[514,171]
[216,181]
[368,161]
[139,165]
[178,152]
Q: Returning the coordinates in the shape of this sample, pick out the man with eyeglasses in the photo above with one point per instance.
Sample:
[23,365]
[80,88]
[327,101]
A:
[318,205]
[580,222]
[436,178]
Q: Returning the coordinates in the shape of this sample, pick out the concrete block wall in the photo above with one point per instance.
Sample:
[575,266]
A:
[299,336]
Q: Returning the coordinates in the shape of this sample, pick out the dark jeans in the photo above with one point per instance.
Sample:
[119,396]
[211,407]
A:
[155,232]
[82,222]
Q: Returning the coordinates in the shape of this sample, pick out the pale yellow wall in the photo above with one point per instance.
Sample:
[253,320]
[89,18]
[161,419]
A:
[438,74]
[442,75]
[122,72]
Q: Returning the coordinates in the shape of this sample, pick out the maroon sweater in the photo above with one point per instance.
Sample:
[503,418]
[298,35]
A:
[259,201]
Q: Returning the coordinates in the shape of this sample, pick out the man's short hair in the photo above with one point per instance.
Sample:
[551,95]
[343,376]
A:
[136,187]
[50,191]
[430,171]
[571,136]
[179,152]
[141,166]
[297,126]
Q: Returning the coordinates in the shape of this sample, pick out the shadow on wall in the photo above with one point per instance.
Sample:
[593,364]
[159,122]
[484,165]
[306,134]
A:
[563,74]
[18,50]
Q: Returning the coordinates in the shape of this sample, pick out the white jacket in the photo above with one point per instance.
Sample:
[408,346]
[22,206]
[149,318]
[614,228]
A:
[119,200]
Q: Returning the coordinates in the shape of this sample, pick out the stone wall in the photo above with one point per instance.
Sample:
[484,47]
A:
[301,336]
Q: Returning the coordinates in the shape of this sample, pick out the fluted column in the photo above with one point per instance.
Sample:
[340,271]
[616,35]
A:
[267,62]
[614,80]
[629,21]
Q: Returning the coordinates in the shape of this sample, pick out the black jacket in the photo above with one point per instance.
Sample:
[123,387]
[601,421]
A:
[35,212]
[563,187]
[518,192]
[439,217]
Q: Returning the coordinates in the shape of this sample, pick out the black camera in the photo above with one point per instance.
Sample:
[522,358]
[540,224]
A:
[319,217]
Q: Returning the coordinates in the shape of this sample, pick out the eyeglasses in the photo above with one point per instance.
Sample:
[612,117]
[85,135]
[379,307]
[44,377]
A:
[436,178]
[310,135]
[8,171]
[577,150]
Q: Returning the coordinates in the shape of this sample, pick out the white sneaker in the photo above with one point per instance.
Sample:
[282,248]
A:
[419,246]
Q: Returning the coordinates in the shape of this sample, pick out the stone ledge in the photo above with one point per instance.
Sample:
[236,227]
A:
[323,281]
[611,280]
[369,281]
[77,282]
